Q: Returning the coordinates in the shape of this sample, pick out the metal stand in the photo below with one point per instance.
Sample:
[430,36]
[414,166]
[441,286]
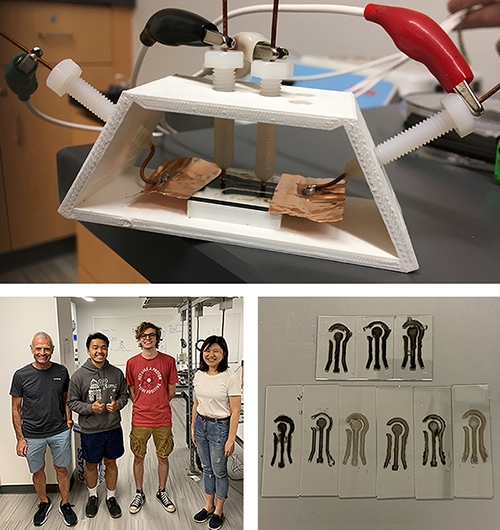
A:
[193,470]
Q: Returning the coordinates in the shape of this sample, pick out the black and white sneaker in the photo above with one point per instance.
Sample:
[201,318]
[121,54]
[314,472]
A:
[69,516]
[137,502]
[42,512]
[163,499]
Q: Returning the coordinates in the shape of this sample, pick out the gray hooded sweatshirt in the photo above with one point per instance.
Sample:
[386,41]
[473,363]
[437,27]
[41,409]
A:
[89,384]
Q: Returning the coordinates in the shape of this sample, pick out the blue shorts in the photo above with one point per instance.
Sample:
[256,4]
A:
[60,448]
[108,444]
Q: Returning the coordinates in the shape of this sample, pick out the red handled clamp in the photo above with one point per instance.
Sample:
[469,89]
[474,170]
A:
[425,41]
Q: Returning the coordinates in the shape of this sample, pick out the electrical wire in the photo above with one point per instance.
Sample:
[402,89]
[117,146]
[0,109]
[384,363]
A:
[63,123]
[348,69]
[145,163]
[395,60]
[138,65]
[362,87]
[294,8]
[27,50]
[448,25]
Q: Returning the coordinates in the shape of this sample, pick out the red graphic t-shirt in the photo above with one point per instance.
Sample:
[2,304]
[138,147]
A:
[150,379]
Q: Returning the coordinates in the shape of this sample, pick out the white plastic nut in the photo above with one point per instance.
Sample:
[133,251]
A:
[271,74]
[224,64]
[272,70]
[464,121]
[230,59]
[61,75]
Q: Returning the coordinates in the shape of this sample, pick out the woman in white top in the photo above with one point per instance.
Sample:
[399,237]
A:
[216,412]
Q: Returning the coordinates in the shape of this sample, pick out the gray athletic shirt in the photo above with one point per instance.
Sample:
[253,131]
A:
[42,408]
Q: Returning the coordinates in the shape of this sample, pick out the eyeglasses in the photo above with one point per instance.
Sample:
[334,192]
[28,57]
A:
[148,336]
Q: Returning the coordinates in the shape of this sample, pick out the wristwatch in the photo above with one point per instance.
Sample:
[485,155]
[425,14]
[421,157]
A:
[69,423]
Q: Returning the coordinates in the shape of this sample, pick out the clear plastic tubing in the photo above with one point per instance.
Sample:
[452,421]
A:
[65,79]
[224,64]
[455,115]
[271,74]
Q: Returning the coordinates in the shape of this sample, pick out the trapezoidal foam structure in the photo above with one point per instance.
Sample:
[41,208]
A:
[107,188]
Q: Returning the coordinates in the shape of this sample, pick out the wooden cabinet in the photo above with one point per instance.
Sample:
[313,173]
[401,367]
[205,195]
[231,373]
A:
[98,38]
[97,263]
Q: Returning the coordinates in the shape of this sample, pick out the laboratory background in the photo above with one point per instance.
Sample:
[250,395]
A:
[46,167]
[69,320]
[346,404]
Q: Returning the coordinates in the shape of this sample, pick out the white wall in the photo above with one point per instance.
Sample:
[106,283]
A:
[21,318]
[465,345]
[125,313]
[335,35]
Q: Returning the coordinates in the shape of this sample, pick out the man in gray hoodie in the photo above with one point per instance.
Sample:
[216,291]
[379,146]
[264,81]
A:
[97,391]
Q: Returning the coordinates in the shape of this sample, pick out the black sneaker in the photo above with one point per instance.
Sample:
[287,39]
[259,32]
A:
[42,513]
[137,502]
[92,506]
[216,521]
[202,516]
[70,518]
[114,509]
[163,499]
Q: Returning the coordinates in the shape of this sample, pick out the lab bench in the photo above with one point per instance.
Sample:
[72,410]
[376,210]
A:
[452,213]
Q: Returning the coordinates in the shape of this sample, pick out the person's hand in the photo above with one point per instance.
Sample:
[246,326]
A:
[192,437]
[21,447]
[112,406]
[97,407]
[486,13]
[229,448]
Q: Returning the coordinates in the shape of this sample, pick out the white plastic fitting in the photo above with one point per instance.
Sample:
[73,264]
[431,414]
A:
[271,74]
[455,115]
[224,64]
[65,79]
[246,42]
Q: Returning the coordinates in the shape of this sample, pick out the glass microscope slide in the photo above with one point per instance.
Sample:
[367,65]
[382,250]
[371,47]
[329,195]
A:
[358,442]
[396,474]
[320,433]
[282,441]
[472,441]
[433,429]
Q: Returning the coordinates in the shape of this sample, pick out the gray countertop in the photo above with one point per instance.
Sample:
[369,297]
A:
[452,214]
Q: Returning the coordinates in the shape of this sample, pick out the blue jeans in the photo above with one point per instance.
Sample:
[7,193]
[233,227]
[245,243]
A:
[210,441]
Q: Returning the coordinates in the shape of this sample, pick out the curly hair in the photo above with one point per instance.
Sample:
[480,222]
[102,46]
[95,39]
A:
[143,326]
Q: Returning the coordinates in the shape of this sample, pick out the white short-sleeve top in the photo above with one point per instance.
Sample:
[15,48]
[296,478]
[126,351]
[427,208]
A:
[213,391]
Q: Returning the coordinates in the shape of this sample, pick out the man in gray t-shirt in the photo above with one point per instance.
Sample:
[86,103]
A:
[41,418]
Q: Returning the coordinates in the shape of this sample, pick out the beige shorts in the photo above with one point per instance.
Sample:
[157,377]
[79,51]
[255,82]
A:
[162,437]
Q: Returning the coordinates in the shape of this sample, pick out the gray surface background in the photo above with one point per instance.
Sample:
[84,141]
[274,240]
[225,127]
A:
[466,351]
[452,213]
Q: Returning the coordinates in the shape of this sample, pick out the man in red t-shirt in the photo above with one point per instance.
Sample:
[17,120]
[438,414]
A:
[151,378]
